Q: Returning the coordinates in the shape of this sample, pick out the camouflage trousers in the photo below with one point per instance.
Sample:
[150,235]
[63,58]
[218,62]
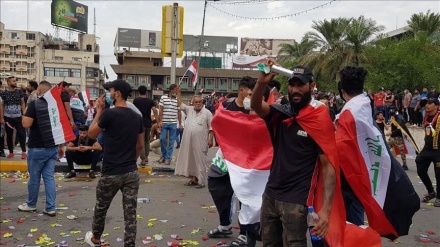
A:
[282,223]
[398,142]
[106,189]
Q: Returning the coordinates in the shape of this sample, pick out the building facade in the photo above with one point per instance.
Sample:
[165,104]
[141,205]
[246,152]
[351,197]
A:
[145,68]
[31,55]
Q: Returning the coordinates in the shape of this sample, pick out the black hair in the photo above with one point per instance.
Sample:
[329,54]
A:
[33,84]
[248,82]
[172,86]
[379,112]
[352,80]
[276,84]
[142,90]
[83,128]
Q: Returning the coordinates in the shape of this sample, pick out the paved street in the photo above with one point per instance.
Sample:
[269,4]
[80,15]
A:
[173,209]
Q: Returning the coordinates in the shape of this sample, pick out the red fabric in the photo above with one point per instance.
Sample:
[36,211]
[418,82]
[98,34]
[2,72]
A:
[317,123]
[357,236]
[271,99]
[356,173]
[254,149]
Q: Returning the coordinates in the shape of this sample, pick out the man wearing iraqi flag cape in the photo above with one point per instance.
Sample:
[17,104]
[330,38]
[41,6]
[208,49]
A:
[304,168]
[372,180]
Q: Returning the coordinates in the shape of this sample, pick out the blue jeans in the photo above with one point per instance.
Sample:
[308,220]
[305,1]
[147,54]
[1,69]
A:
[170,129]
[41,162]
[179,134]
[354,209]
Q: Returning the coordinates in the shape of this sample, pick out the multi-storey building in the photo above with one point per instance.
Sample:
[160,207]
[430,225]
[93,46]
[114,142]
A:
[31,55]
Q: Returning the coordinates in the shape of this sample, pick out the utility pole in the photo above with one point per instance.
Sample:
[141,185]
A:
[174,42]
[201,40]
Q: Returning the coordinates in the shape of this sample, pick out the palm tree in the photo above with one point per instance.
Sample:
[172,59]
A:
[428,23]
[330,38]
[359,33]
[290,52]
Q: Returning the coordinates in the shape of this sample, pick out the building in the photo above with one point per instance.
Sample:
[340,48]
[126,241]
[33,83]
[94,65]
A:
[145,68]
[31,55]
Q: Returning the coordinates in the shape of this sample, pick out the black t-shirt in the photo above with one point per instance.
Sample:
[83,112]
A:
[122,127]
[144,105]
[395,132]
[381,127]
[294,160]
[86,142]
[65,96]
[232,106]
[35,139]
[429,139]
[12,103]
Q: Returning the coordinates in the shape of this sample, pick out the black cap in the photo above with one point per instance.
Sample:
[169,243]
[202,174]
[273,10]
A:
[321,96]
[433,100]
[302,73]
[118,85]
[65,84]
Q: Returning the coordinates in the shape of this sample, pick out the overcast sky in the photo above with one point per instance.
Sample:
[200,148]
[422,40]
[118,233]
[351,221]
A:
[148,15]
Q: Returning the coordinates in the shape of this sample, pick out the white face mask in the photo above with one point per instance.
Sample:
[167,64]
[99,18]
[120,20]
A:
[247,103]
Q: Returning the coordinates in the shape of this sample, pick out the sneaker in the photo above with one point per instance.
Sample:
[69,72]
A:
[240,241]
[25,208]
[217,233]
[88,240]
[437,202]
[70,175]
[161,160]
[50,213]
[10,156]
[92,174]
[405,167]
[23,156]
[167,162]
[2,153]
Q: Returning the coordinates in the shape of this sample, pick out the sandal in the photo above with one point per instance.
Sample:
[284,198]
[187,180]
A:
[216,233]
[428,197]
[190,183]
[437,202]
[199,186]
[239,242]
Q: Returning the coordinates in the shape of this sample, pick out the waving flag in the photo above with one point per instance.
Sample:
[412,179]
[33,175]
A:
[84,96]
[192,73]
[52,119]
[248,158]
[377,179]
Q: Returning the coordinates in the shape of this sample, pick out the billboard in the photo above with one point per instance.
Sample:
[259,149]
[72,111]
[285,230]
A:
[167,30]
[248,62]
[69,14]
[261,47]
[217,44]
[137,38]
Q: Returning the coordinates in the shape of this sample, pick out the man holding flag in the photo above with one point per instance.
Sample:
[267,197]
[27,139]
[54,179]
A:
[372,179]
[304,169]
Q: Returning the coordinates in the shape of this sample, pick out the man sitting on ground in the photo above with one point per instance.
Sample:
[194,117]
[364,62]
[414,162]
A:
[83,151]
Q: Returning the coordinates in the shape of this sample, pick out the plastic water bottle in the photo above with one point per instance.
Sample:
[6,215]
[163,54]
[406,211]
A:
[312,220]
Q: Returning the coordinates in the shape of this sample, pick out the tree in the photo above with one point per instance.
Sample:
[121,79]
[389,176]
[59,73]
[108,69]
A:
[291,52]
[427,23]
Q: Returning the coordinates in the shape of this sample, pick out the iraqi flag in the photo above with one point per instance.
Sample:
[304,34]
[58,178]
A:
[377,179]
[84,96]
[52,119]
[409,145]
[247,151]
[192,73]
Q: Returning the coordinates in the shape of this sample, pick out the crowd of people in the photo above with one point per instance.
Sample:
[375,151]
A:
[307,134]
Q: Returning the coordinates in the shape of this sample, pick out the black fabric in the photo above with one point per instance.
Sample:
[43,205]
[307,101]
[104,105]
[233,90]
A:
[83,158]
[15,123]
[395,132]
[144,105]
[122,127]
[221,192]
[86,142]
[65,96]
[215,172]
[78,115]
[294,161]
[423,162]
[35,138]
[429,139]
[232,106]
[381,127]
[44,124]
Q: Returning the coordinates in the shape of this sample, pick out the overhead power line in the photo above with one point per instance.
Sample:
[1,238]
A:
[274,17]
[242,2]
